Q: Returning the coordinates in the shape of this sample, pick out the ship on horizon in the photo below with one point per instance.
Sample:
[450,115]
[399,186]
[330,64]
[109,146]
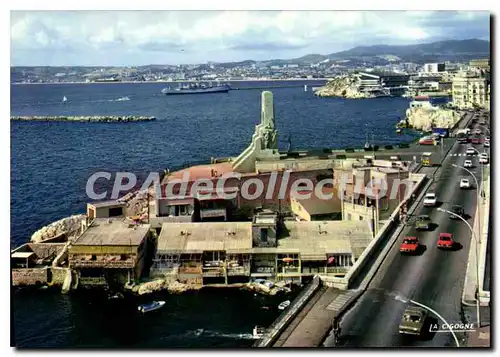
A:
[197,88]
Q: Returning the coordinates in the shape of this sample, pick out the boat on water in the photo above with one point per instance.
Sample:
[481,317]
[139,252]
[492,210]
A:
[155,305]
[196,88]
[258,332]
[284,305]
[64,99]
[122,99]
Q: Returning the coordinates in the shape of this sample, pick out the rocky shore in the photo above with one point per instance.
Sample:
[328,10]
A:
[425,119]
[100,119]
[343,87]
[176,287]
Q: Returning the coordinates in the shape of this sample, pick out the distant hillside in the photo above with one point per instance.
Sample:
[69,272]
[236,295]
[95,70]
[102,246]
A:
[451,50]
[454,50]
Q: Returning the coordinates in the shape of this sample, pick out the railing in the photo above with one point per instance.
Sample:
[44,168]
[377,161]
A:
[273,331]
[102,264]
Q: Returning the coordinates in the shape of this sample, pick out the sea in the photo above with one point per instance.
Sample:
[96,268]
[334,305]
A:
[51,163]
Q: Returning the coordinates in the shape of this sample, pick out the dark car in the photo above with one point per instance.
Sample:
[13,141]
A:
[423,222]
[458,210]
[413,321]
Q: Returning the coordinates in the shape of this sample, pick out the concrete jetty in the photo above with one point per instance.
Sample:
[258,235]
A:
[95,118]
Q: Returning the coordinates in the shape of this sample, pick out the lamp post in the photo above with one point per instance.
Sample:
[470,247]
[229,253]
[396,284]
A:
[479,154]
[477,260]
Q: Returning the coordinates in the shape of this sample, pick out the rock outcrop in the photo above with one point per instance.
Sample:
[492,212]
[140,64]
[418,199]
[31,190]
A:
[69,225]
[426,118]
[342,86]
[137,202]
[172,286]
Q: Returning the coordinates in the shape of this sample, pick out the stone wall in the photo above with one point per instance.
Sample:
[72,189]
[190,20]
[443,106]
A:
[69,225]
[58,275]
[33,276]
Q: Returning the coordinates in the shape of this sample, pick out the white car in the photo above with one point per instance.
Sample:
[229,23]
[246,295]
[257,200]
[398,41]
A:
[486,143]
[477,131]
[483,158]
[464,183]
[468,163]
[430,199]
[470,151]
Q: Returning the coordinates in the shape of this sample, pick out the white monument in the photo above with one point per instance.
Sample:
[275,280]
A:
[264,143]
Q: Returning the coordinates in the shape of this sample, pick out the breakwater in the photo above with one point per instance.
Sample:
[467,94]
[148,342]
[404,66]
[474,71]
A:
[94,118]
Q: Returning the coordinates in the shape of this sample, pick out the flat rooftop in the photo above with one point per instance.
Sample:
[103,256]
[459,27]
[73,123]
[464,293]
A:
[109,231]
[200,172]
[316,239]
[206,236]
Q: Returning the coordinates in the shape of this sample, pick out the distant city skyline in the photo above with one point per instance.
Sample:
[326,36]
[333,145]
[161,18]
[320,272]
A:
[131,38]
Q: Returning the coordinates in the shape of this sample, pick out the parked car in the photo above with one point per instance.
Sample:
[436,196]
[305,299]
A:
[464,183]
[486,143]
[475,141]
[458,210]
[430,199]
[477,132]
[423,222]
[413,321]
[409,245]
[445,240]
[468,163]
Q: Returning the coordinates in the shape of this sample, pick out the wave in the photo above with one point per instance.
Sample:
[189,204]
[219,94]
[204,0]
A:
[121,99]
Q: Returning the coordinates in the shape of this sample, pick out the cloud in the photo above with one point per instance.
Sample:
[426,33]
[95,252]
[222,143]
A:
[141,37]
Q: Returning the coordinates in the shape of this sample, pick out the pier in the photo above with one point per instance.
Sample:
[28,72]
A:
[86,119]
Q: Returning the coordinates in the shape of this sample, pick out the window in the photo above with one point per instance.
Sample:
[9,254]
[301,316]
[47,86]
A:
[360,218]
[263,234]
[349,217]
[115,211]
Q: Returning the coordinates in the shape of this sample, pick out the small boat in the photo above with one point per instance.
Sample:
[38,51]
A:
[258,332]
[198,331]
[398,131]
[264,307]
[122,99]
[284,305]
[155,305]
[64,99]
[115,296]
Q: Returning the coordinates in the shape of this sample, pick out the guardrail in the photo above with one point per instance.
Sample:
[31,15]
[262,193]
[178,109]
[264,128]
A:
[273,331]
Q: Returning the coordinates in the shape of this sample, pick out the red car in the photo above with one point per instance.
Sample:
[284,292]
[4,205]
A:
[409,245]
[475,140]
[445,240]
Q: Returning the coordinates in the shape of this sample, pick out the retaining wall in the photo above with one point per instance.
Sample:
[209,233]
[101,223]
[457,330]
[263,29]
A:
[34,276]
[289,314]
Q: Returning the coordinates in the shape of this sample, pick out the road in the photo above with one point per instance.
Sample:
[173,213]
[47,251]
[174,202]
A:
[434,278]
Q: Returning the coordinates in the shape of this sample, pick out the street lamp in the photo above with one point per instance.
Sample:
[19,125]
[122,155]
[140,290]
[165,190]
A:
[477,260]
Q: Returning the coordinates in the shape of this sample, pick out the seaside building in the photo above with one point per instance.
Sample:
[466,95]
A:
[235,252]
[470,91]
[109,245]
[373,81]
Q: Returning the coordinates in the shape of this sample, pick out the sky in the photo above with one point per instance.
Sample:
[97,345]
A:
[130,38]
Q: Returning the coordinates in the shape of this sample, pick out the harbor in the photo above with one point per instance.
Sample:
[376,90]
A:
[270,246]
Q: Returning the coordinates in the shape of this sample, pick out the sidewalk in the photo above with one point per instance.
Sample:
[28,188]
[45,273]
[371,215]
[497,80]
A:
[477,253]
[479,338]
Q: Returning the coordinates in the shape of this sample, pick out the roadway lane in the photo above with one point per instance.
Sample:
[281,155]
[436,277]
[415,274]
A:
[434,278]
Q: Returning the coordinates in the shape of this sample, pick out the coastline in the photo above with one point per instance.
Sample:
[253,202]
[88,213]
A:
[183,81]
